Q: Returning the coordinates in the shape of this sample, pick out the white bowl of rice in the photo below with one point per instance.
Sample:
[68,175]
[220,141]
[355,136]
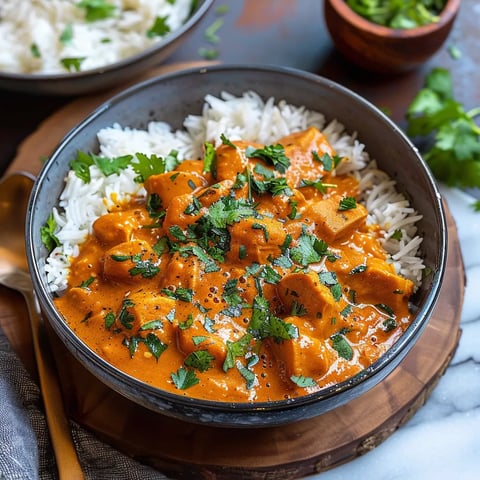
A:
[71,47]
[181,113]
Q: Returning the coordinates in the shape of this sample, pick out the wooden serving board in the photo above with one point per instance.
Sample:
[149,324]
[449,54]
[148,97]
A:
[184,450]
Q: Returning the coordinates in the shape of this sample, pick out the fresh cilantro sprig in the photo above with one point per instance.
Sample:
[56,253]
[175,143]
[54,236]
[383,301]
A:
[454,156]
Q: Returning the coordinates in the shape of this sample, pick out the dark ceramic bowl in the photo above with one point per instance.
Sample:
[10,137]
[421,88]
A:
[101,78]
[171,98]
[381,49]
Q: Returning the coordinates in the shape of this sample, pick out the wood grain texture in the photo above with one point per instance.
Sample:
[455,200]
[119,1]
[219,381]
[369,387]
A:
[185,450]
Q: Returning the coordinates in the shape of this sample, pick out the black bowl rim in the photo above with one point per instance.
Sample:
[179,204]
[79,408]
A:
[398,350]
[130,61]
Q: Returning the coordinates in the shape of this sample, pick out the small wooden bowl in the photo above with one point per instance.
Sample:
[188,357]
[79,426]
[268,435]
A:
[382,49]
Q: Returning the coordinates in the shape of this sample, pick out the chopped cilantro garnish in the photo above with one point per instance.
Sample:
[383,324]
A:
[247,374]
[35,50]
[226,141]
[236,349]
[154,345]
[67,35]
[201,360]
[264,324]
[109,320]
[358,269]
[96,9]
[231,292]
[317,184]
[108,166]
[152,325]
[209,159]
[184,378]
[159,28]
[125,317]
[328,162]
[87,283]
[303,382]
[389,324]
[347,203]
[310,249]
[329,279]
[145,268]
[341,345]
[180,293]
[397,235]
[47,234]
[385,308]
[273,154]
[72,64]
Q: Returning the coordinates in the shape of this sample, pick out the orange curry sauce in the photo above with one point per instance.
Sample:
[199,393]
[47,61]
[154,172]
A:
[253,282]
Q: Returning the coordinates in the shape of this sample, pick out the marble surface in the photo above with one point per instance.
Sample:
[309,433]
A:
[442,440]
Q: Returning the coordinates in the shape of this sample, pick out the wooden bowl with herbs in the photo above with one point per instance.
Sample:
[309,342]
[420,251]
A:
[389,37]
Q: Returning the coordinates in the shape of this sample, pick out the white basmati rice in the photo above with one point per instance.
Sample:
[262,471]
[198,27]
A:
[248,118]
[39,36]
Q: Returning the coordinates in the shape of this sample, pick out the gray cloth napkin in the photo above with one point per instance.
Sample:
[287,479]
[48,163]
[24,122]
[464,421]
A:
[25,449]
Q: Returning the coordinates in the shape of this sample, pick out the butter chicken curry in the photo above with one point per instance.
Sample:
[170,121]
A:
[250,275]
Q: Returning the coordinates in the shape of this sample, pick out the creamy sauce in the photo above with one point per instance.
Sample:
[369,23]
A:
[256,282]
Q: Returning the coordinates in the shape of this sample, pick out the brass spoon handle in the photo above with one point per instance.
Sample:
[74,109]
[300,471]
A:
[66,456]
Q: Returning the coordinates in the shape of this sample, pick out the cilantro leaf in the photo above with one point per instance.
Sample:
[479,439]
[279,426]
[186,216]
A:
[201,360]
[236,349]
[145,166]
[341,345]
[96,9]
[184,378]
[47,234]
[310,249]
[273,154]
[72,64]
[303,382]
[264,324]
[154,345]
[159,28]
[347,203]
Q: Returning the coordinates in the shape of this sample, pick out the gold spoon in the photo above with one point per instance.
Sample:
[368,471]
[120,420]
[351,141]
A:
[14,193]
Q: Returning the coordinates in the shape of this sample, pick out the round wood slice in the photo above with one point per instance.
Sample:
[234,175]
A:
[185,450]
